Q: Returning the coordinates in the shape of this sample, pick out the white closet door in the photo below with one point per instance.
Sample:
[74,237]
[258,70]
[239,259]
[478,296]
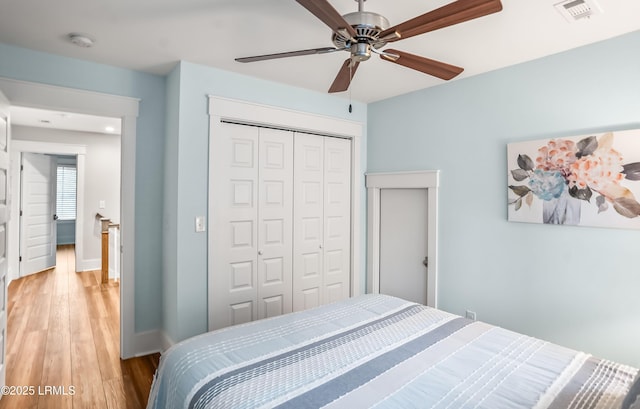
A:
[322,220]
[308,221]
[337,219]
[275,224]
[235,226]
[251,246]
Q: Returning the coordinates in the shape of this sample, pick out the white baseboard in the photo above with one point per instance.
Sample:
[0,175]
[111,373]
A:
[167,341]
[89,265]
[148,342]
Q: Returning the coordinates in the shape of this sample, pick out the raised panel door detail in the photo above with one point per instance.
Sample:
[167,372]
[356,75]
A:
[241,276]
[335,227]
[336,160]
[275,155]
[3,134]
[336,193]
[242,193]
[311,155]
[241,234]
[3,243]
[273,271]
[311,193]
[242,153]
[274,192]
[311,229]
[334,292]
[3,191]
[273,306]
[241,313]
[310,298]
[274,232]
[334,261]
[311,265]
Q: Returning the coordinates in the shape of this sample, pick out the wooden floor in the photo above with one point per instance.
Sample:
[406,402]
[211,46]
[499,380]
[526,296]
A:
[63,336]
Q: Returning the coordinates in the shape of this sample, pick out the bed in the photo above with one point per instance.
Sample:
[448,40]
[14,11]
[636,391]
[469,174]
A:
[376,351]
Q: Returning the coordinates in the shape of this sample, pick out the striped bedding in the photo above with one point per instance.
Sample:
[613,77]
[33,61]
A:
[377,351]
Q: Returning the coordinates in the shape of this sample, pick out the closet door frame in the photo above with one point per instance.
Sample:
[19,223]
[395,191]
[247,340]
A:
[247,113]
[429,180]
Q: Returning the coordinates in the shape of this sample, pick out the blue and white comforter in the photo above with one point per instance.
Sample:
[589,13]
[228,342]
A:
[377,351]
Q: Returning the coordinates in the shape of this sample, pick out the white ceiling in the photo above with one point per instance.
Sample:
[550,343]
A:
[152,35]
[41,118]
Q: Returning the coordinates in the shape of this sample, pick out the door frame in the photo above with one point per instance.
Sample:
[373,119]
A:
[17,148]
[248,113]
[44,96]
[374,182]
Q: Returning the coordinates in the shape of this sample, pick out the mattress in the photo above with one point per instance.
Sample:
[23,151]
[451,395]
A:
[377,351]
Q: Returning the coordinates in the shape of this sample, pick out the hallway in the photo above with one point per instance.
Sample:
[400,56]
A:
[63,336]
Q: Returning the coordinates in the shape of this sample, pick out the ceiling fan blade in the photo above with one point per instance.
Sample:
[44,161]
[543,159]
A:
[330,16]
[323,50]
[432,67]
[344,77]
[453,13]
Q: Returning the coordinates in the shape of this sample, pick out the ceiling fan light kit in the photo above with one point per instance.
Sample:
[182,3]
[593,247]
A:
[362,33]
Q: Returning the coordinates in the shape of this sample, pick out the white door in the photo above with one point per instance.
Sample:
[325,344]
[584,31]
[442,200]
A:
[4,218]
[275,224]
[403,243]
[251,216]
[322,220]
[308,221]
[37,223]
[337,219]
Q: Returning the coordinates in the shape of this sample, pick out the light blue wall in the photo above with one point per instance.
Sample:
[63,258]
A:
[575,286]
[188,157]
[65,232]
[170,222]
[27,65]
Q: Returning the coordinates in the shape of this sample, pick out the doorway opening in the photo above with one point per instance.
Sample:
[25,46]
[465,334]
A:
[29,94]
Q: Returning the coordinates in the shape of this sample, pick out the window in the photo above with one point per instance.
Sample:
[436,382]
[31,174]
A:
[66,193]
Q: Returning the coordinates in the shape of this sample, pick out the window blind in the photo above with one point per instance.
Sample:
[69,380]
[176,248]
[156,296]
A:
[66,192]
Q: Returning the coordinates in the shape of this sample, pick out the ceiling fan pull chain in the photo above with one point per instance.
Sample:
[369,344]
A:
[350,78]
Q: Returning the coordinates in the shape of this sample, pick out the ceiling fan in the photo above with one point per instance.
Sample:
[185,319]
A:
[362,33]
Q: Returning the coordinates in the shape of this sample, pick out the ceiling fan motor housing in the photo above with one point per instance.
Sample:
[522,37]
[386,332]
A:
[368,27]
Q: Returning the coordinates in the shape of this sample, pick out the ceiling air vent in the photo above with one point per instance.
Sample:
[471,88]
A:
[574,10]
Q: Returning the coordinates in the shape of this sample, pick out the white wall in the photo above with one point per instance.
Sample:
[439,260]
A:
[102,181]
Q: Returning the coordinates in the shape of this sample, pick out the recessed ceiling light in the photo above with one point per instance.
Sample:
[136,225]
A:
[109,128]
[80,40]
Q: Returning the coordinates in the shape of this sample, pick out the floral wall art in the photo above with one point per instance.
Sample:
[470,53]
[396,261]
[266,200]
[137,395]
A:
[590,180]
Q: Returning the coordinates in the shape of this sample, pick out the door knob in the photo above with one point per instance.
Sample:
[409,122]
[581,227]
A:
[259,252]
[55,217]
[426,261]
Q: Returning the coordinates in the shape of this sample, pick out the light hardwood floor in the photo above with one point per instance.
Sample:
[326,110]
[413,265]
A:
[63,331]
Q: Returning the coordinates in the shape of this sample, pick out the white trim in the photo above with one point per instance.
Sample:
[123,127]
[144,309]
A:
[167,341]
[45,96]
[148,342]
[224,109]
[90,264]
[402,180]
[17,148]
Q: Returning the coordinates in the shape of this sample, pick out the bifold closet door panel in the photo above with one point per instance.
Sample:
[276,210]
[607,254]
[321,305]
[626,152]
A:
[322,220]
[337,219]
[252,213]
[275,222]
[308,253]
[233,247]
